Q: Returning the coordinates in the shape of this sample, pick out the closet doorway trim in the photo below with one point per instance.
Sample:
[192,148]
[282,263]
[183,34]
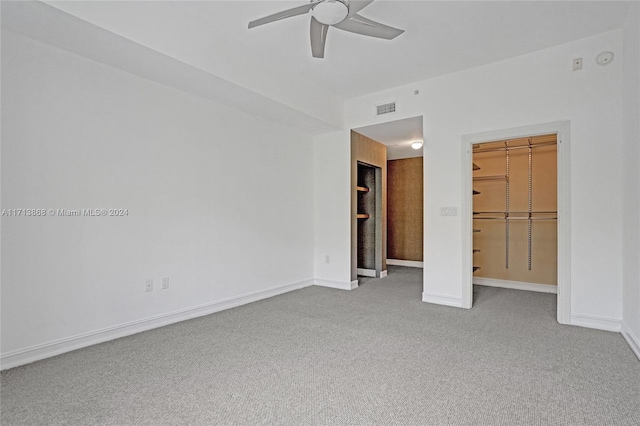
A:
[561,128]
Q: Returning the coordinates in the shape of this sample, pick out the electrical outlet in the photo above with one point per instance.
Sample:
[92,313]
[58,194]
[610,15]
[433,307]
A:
[148,284]
[448,211]
[165,283]
[577,64]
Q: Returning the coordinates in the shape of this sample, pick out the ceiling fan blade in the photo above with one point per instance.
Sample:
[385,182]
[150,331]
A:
[356,6]
[360,25]
[318,38]
[300,10]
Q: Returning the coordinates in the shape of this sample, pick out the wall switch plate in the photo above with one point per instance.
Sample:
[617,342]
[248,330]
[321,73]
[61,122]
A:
[165,283]
[577,64]
[148,284]
[448,211]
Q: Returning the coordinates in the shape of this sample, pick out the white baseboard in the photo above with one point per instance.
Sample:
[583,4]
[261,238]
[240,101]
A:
[340,285]
[597,322]
[439,299]
[366,272]
[632,339]
[516,285]
[57,347]
[410,263]
[370,273]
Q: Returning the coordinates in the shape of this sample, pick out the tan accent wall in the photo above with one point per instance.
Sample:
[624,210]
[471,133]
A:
[405,209]
[367,151]
[491,241]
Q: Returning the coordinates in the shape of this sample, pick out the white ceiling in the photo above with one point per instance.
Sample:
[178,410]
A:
[440,36]
[397,136]
[274,61]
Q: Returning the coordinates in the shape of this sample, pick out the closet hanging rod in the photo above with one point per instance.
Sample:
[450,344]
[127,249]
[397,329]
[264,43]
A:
[509,148]
[497,177]
[516,212]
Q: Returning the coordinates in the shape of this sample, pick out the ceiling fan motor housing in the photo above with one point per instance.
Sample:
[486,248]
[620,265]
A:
[339,14]
[331,12]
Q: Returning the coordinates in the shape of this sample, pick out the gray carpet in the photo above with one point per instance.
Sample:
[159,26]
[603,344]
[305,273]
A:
[318,356]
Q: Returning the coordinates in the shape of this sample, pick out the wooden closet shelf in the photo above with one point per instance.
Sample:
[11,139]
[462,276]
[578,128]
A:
[475,268]
[476,167]
[362,216]
[476,192]
[362,189]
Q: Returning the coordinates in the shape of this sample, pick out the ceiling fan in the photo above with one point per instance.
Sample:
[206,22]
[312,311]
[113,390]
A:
[341,14]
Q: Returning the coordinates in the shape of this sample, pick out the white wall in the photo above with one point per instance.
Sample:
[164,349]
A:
[164,31]
[332,217]
[42,22]
[631,185]
[526,90]
[220,201]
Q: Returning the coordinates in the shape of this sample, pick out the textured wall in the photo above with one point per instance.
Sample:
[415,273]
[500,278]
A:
[405,216]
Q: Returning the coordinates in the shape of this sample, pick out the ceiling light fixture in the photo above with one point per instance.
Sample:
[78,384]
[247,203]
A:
[416,144]
[330,12]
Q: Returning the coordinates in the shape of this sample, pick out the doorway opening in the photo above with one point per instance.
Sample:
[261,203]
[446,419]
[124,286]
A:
[387,198]
[515,212]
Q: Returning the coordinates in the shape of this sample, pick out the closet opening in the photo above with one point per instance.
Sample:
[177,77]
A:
[516,210]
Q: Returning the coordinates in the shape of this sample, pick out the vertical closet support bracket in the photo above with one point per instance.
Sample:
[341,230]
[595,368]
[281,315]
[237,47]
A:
[506,222]
[530,222]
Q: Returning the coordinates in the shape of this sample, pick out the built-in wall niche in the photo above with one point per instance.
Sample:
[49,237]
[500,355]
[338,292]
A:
[366,190]
[368,206]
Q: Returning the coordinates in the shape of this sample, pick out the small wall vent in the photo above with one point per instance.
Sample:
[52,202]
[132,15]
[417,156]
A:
[387,108]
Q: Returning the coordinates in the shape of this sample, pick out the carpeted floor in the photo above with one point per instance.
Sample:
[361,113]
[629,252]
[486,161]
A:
[318,356]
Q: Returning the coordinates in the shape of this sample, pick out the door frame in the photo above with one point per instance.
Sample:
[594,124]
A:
[561,128]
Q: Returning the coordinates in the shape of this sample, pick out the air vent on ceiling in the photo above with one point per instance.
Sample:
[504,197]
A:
[387,108]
